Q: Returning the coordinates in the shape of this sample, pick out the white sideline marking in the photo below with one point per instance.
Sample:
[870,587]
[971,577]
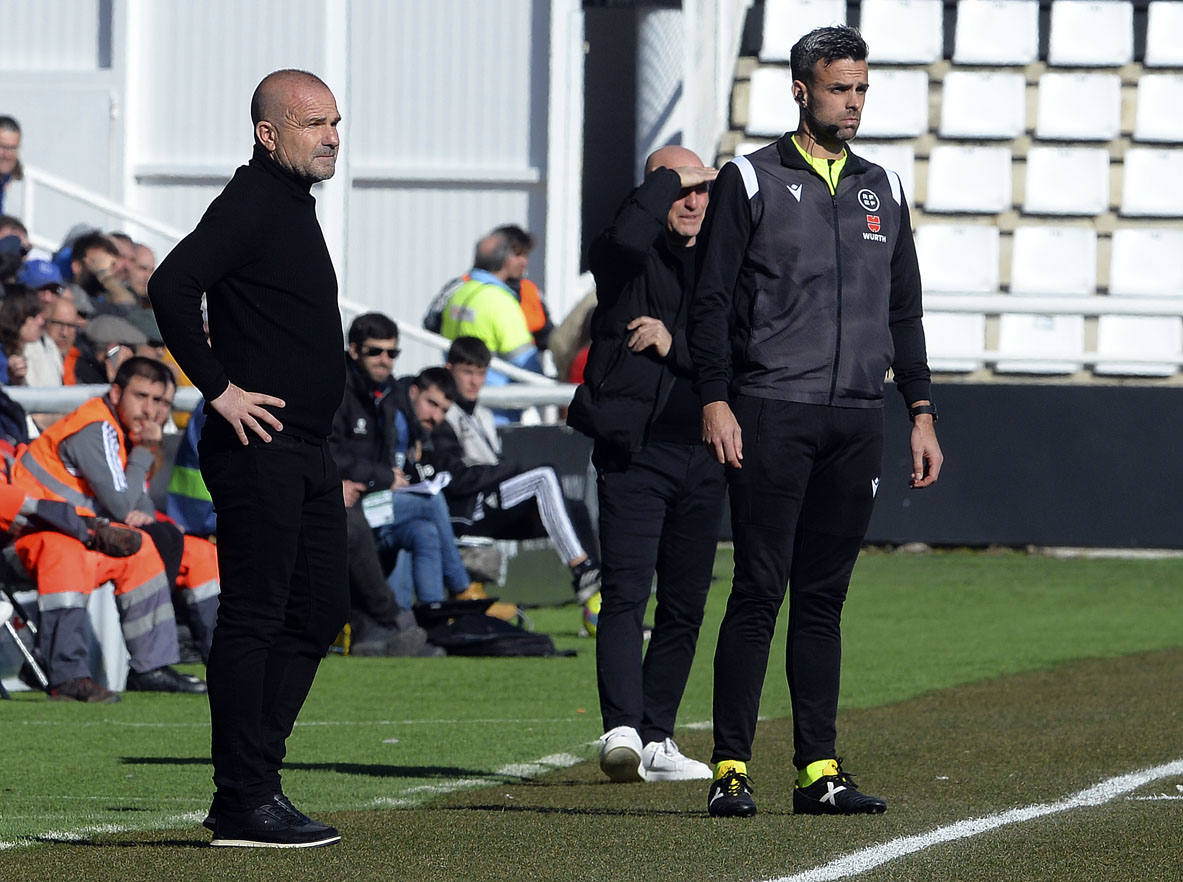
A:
[421,793]
[204,724]
[877,855]
[513,770]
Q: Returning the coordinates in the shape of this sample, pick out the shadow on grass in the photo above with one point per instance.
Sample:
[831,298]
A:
[377,770]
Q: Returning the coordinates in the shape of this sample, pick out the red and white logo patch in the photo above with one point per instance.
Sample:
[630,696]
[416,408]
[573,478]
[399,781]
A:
[873,223]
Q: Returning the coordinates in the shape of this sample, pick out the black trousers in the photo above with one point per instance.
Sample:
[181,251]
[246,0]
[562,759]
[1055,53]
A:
[800,506]
[659,512]
[281,553]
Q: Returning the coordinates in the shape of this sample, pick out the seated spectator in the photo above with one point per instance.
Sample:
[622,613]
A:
[106,342]
[63,326]
[12,254]
[496,497]
[141,269]
[10,154]
[12,226]
[21,323]
[42,356]
[99,458]
[94,262]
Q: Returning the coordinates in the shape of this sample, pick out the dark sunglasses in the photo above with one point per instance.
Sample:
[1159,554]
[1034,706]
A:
[371,351]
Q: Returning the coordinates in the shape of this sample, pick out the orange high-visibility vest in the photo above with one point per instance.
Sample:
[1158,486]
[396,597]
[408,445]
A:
[40,472]
[532,309]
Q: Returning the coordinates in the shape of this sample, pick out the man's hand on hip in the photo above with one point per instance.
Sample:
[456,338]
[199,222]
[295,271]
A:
[244,410]
[721,433]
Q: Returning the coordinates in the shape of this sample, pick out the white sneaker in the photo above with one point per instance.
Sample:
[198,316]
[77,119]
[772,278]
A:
[662,761]
[620,754]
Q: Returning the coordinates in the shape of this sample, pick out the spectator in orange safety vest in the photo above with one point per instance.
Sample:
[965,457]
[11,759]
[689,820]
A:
[98,459]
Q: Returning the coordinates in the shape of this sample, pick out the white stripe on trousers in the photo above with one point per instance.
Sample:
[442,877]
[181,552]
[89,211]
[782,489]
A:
[542,484]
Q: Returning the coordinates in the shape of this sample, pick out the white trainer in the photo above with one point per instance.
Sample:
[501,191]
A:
[662,761]
[620,754]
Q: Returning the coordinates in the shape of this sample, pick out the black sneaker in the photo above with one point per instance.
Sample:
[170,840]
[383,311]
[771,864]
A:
[835,795]
[275,824]
[165,679]
[731,796]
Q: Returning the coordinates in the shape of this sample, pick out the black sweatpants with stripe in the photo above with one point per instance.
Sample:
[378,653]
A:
[800,506]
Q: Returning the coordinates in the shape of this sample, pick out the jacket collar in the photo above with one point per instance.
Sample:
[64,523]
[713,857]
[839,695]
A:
[791,158]
[262,161]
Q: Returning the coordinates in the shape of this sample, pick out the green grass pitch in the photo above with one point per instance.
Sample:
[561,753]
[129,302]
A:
[974,684]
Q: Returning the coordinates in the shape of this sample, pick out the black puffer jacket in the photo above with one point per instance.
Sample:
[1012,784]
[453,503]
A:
[636,273]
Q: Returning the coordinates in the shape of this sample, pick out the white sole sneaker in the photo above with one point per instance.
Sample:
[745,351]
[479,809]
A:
[663,761]
[620,754]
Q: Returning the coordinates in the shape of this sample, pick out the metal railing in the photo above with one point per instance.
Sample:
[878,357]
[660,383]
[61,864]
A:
[35,178]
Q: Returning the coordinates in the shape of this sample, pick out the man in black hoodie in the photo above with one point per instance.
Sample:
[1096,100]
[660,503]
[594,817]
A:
[274,351]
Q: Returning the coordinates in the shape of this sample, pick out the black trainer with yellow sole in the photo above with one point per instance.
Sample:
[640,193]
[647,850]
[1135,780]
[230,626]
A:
[730,796]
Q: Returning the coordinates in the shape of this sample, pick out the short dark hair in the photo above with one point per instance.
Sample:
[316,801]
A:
[438,377]
[828,44]
[90,242]
[469,350]
[520,242]
[141,366]
[8,222]
[372,326]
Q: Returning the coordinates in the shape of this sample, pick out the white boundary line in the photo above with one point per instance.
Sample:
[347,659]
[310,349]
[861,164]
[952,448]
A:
[877,855]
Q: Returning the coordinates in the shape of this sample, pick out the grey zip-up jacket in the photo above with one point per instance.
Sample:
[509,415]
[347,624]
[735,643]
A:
[804,296]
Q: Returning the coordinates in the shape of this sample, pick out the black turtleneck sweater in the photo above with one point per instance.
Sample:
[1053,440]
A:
[273,318]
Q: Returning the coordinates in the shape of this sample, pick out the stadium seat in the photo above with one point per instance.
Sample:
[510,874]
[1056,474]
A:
[743,148]
[903,31]
[1067,181]
[1088,33]
[1151,186]
[958,258]
[956,341]
[1047,261]
[996,32]
[983,105]
[1139,337]
[771,108]
[1053,260]
[972,180]
[1159,98]
[1164,34]
[1146,263]
[897,105]
[899,158]
[1079,107]
[785,21]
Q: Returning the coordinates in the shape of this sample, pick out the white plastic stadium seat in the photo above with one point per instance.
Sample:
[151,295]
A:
[957,258]
[1091,33]
[1047,261]
[1050,261]
[1079,107]
[1140,337]
[956,341]
[771,108]
[1159,98]
[1164,34]
[903,31]
[1067,180]
[786,21]
[1151,184]
[996,32]
[897,105]
[899,158]
[983,105]
[1146,262]
[972,180]
[743,148]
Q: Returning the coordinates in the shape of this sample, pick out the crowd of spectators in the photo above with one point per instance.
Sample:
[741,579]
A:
[81,315]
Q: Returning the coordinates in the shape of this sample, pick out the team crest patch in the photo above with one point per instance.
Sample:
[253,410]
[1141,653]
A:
[873,223]
[868,200]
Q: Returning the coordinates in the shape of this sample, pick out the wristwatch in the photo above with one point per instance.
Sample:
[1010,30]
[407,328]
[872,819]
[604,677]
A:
[916,409]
